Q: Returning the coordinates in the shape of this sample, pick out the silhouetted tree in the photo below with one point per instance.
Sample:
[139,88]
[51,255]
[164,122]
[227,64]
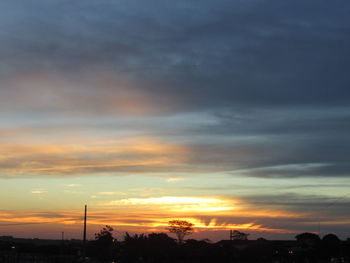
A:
[160,239]
[198,251]
[155,247]
[308,238]
[105,234]
[237,235]
[331,238]
[134,247]
[181,228]
[135,237]
[330,246]
[102,246]
[310,244]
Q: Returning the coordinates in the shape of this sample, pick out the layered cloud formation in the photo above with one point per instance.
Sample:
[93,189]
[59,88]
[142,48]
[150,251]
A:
[253,92]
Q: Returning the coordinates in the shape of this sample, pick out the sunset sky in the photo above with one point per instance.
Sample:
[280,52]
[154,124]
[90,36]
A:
[231,114]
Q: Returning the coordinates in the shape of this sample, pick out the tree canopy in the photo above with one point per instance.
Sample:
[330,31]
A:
[237,235]
[105,234]
[181,228]
[307,237]
[102,247]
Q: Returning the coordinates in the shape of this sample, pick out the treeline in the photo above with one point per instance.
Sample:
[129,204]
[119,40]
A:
[159,247]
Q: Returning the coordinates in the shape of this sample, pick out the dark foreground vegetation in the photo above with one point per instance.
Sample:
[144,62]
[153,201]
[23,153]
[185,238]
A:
[159,247]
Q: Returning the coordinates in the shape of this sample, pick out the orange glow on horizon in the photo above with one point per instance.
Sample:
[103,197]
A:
[154,213]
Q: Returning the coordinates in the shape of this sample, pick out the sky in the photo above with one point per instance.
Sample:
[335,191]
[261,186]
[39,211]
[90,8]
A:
[230,114]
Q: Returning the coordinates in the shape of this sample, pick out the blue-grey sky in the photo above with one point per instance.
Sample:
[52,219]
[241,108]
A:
[235,106]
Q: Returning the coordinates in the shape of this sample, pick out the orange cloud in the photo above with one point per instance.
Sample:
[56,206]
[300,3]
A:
[116,94]
[178,204]
[89,157]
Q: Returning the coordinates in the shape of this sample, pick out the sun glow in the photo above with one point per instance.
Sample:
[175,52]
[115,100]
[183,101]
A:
[151,221]
[179,204]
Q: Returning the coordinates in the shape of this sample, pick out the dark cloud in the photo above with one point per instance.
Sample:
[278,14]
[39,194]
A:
[319,207]
[233,54]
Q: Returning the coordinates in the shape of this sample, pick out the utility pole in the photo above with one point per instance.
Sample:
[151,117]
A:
[84,236]
[62,244]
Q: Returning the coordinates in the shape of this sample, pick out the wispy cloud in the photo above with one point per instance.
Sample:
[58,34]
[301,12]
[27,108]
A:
[140,155]
[73,185]
[111,193]
[38,192]
[175,179]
